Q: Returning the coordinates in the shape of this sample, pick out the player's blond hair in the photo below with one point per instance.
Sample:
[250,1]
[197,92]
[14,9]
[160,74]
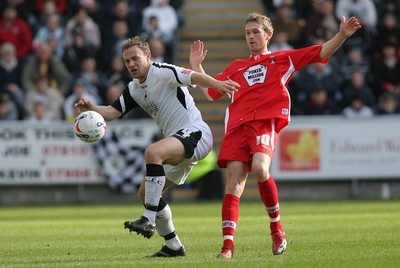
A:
[136,41]
[262,19]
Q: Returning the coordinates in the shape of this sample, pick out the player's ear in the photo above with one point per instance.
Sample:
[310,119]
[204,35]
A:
[269,34]
[148,56]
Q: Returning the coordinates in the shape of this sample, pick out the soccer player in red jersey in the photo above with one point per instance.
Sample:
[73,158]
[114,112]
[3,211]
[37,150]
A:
[258,111]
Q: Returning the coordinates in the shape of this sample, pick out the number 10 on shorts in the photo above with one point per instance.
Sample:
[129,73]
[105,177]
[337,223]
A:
[264,139]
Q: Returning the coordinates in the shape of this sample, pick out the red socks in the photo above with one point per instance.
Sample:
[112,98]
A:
[230,215]
[230,211]
[269,195]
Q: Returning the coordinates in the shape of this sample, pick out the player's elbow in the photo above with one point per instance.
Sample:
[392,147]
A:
[111,113]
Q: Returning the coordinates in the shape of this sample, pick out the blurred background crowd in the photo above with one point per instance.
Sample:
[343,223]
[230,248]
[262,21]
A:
[53,52]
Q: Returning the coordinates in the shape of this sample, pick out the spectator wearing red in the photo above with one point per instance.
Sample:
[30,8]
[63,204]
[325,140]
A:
[61,5]
[15,31]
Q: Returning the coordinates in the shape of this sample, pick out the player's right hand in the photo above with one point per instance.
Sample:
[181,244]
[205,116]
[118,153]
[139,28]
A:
[229,87]
[83,105]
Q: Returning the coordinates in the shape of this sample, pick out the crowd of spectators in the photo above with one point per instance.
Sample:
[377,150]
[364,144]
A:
[53,52]
[360,80]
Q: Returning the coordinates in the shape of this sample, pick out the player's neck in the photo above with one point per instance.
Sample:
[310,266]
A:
[258,53]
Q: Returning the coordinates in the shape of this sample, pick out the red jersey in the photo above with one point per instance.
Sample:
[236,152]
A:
[263,80]
[19,34]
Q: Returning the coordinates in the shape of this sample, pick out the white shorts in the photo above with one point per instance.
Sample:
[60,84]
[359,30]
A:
[178,173]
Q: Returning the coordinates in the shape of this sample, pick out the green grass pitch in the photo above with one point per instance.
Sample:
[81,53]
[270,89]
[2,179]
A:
[320,234]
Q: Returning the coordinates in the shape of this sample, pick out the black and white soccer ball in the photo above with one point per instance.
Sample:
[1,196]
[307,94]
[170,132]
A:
[90,126]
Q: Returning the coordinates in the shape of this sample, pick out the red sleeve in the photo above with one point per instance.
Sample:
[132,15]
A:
[304,56]
[215,94]
[24,39]
[61,5]
[39,5]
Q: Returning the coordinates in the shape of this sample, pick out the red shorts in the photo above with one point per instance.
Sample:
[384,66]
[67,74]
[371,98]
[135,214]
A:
[242,142]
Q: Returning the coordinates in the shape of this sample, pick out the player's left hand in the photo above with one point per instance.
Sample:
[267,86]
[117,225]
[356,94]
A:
[197,53]
[350,26]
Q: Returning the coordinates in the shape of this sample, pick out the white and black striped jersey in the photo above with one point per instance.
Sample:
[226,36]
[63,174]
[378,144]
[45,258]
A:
[165,97]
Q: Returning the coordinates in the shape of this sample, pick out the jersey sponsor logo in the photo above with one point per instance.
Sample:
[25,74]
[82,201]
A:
[255,74]
[151,108]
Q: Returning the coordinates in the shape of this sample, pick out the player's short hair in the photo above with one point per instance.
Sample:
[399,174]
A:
[136,41]
[262,19]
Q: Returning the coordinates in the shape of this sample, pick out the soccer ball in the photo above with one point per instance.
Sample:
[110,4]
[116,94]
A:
[90,126]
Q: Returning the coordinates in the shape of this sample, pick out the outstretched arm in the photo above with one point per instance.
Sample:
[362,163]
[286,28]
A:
[205,81]
[196,57]
[108,112]
[347,29]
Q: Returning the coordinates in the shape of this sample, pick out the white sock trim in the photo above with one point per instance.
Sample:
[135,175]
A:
[228,237]
[273,209]
[174,243]
[275,219]
[229,224]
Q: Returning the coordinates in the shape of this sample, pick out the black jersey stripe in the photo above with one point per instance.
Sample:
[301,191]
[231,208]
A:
[129,102]
[181,97]
[159,65]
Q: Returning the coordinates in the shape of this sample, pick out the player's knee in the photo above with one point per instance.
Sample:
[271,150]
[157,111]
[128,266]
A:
[152,154]
[261,172]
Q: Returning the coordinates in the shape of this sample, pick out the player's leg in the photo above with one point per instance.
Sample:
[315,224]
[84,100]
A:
[265,140]
[269,195]
[165,227]
[197,146]
[166,151]
[236,179]
[234,156]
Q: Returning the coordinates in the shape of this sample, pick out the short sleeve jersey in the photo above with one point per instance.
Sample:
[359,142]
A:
[165,97]
[263,79]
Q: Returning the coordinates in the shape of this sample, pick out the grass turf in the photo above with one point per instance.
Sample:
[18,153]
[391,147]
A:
[320,234]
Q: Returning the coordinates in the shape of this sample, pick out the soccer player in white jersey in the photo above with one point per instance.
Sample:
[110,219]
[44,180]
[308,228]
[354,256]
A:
[161,90]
